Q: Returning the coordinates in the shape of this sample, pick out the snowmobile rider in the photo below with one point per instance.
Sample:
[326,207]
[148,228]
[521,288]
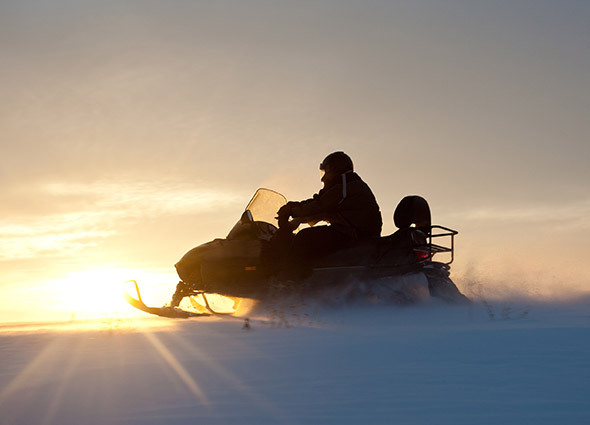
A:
[345,202]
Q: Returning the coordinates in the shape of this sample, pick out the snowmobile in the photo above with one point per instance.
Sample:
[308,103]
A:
[397,268]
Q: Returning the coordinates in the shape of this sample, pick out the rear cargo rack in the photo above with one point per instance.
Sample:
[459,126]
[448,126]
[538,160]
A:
[443,246]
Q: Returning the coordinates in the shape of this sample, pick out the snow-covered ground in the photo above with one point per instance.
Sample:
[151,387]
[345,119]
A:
[501,362]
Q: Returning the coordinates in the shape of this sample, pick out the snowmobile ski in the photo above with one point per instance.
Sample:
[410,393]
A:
[166,311]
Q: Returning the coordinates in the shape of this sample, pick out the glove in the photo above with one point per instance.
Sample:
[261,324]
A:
[285,210]
[284,214]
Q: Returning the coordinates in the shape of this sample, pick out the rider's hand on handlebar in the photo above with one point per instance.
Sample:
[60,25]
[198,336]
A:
[284,214]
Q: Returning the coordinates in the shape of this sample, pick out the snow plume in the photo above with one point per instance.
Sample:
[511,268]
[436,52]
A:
[512,280]
[523,251]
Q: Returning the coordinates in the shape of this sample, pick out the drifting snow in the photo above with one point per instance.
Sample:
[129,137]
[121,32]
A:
[489,363]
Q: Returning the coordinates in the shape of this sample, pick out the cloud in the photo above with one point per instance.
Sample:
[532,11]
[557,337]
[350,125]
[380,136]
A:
[146,198]
[566,215]
[93,212]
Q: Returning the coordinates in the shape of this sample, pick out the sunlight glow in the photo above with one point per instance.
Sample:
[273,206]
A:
[100,293]
[217,302]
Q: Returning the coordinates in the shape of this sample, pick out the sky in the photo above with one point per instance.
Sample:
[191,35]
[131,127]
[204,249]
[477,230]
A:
[133,131]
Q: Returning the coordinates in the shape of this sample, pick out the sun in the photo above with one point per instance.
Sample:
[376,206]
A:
[99,293]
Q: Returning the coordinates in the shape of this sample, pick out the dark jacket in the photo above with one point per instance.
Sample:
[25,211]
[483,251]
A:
[347,204]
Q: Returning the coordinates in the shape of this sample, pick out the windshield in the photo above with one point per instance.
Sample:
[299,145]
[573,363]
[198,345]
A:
[264,205]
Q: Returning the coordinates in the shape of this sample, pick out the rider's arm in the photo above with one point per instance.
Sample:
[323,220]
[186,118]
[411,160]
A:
[321,206]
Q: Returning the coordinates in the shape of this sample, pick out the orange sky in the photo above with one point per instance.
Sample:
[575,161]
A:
[132,131]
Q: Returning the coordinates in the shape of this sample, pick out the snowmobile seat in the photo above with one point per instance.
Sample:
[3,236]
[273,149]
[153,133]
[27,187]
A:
[413,220]
[415,234]
[412,211]
[412,217]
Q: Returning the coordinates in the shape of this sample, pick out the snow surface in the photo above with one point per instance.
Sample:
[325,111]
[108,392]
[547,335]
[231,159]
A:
[491,363]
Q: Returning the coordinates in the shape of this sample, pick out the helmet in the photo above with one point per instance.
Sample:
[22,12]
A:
[335,164]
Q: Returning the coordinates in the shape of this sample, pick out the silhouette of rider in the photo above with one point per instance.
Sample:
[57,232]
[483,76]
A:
[345,202]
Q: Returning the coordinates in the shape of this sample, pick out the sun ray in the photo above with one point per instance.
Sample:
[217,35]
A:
[34,368]
[233,380]
[58,393]
[176,366]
